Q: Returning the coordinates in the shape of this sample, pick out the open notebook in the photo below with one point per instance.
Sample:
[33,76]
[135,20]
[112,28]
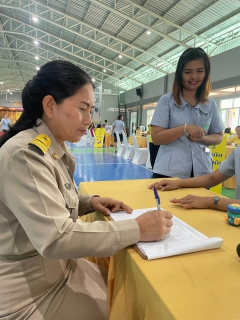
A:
[181,239]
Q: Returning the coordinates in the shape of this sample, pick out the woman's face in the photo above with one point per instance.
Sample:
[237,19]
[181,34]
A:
[193,75]
[71,118]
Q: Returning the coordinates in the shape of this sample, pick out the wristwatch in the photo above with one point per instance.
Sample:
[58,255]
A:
[215,202]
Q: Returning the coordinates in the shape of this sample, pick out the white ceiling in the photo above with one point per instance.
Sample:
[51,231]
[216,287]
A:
[93,33]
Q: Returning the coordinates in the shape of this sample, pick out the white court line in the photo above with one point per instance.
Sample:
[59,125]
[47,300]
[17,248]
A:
[99,164]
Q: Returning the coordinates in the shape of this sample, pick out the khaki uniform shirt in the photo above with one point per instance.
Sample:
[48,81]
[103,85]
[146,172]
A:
[39,208]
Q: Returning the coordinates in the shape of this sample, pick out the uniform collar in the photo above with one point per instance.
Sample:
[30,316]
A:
[205,108]
[55,148]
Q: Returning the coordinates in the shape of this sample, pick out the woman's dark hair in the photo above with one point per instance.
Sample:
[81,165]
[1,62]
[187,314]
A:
[227,130]
[189,55]
[119,117]
[60,79]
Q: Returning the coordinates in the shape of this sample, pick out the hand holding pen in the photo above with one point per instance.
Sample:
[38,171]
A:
[154,224]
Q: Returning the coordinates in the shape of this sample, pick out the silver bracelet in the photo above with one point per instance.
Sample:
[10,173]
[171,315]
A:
[185,127]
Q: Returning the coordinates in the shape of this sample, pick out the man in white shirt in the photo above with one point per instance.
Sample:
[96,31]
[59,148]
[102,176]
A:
[118,127]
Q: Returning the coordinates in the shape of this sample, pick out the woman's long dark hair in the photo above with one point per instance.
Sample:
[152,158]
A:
[189,55]
[60,79]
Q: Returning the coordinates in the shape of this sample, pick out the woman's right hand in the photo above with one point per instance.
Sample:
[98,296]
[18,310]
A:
[165,185]
[154,225]
[195,131]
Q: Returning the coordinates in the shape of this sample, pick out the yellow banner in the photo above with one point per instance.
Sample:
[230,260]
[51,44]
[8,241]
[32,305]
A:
[99,136]
[218,156]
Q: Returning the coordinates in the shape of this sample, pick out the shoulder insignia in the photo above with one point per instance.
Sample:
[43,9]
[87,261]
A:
[42,142]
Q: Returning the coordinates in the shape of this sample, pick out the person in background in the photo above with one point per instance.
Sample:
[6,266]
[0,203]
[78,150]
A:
[43,243]
[227,169]
[91,129]
[138,131]
[119,127]
[227,130]
[108,127]
[5,123]
[153,149]
[235,139]
[186,121]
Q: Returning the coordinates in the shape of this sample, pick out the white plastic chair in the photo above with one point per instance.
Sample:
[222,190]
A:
[82,142]
[90,139]
[129,153]
[141,154]
[121,147]
[148,163]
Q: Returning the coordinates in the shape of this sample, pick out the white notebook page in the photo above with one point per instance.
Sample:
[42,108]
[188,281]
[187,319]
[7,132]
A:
[181,239]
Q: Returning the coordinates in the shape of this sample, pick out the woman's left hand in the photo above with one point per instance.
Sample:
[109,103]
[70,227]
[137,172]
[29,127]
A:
[108,205]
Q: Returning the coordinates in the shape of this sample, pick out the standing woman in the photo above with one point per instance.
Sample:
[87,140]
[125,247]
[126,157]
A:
[187,121]
[5,123]
[42,241]
[119,127]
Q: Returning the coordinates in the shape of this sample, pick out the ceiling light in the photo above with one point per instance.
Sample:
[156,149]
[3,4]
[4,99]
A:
[120,56]
[36,57]
[148,32]
[7,90]
[10,92]
[36,42]
[1,82]
[93,80]
[37,68]
[35,19]
[104,70]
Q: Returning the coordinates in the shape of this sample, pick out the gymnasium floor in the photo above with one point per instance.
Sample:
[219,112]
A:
[101,164]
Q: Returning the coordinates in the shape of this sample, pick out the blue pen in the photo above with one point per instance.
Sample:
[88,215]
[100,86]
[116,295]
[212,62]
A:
[157,198]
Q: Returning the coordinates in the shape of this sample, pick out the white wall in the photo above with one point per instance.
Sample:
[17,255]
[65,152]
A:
[10,100]
[225,65]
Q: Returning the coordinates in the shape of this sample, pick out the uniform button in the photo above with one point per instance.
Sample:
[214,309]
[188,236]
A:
[55,156]
[192,152]
[67,186]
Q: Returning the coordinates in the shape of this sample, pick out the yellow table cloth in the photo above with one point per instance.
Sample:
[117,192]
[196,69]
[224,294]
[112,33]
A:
[141,141]
[109,139]
[197,286]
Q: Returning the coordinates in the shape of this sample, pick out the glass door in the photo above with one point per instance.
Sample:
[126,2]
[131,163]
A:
[133,122]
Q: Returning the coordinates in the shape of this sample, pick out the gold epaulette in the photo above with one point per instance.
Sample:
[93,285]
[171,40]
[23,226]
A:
[42,142]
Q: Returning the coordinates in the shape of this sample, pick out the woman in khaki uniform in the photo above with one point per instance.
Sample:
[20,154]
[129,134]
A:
[42,241]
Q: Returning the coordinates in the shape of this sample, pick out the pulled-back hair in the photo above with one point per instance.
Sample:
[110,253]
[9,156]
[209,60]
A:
[59,79]
[189,55]
[119,116]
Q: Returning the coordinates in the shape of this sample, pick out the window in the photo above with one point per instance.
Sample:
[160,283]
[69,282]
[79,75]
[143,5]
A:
[227,104]
[149,116]
[230,112]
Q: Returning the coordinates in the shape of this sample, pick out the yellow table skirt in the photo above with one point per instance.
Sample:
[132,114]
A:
[109,139]
[141,141]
